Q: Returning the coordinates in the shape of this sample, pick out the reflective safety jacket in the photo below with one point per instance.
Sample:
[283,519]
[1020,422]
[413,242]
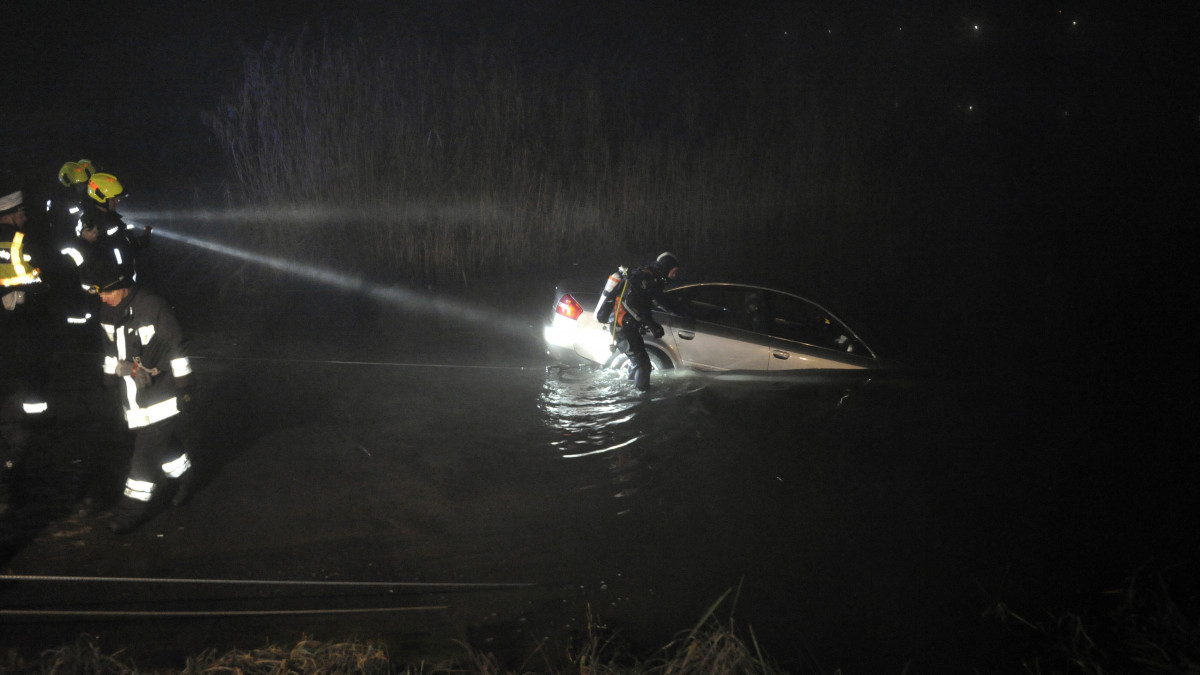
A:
[16,265]
[143,330]
[22,345]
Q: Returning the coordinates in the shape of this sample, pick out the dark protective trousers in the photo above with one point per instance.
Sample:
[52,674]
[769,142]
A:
[154,447]
[629,340]
[26,345]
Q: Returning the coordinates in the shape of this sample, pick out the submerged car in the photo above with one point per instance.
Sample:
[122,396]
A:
[715,327]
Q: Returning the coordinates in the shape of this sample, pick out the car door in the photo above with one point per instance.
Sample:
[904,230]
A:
[805,336]
[714,327]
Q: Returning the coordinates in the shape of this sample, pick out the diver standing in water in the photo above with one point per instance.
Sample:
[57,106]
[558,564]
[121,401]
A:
[628,300]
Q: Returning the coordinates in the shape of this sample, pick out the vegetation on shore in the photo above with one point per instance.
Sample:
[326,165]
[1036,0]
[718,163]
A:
[1143,627]
[710,648]
[1140,628]
[375,152]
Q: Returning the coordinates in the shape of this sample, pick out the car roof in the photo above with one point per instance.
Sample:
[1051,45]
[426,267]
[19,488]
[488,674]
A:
[738,284]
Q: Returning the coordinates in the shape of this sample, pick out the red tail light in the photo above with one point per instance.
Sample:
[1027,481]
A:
[568,307]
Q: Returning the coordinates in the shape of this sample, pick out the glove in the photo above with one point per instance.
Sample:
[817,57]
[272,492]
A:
[11,300]
[184,402]
[141,376]
[656,330]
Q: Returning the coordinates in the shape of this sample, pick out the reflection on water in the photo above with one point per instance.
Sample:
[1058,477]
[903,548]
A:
[595,413]
[590,409]
[597,418]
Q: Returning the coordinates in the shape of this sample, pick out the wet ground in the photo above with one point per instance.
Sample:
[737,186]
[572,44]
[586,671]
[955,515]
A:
[454,483]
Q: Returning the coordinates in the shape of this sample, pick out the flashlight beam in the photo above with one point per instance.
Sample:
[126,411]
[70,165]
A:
[393,295]
[264,582]
[324,276]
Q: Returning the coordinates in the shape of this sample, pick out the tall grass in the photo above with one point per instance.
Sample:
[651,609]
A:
[710,648]
[440,163]
[1144,627]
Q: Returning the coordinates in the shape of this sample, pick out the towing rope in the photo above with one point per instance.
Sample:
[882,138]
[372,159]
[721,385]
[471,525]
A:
[161,614]
[356,363]
[264,612]
[392,364]
[262,582]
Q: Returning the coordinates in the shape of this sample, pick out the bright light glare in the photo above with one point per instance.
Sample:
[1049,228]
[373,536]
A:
[558,335]
[393,295]
[322,216]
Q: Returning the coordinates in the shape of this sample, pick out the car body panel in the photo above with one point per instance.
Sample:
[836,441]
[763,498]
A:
[788,355]
[711,346]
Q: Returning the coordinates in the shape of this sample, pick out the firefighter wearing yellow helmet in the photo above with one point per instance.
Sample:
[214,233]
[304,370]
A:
[73,173]
[105,227]
[66,209]
[106,193]
[69,201]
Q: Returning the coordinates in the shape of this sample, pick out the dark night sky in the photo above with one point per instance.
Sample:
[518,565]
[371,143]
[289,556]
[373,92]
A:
[186,53]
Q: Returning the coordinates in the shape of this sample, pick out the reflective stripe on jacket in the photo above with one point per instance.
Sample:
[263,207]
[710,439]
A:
[15,269]
[144,330]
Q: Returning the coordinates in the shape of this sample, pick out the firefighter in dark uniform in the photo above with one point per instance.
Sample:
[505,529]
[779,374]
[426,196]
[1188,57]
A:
[102,229]
[22,337]
[628,299]
[144,349]
[69,201]
[104,222]
[66,209]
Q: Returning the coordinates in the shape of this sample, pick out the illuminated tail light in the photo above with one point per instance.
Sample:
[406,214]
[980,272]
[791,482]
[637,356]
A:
[568,307]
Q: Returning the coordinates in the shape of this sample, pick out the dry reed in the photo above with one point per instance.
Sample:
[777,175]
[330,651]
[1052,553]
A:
[444,164]
[709,648]
[1142,629]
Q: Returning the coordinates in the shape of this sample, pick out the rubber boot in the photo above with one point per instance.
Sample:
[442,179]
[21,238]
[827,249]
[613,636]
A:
[5,495]
[641,372]
[129,515]
[183,490]
[7,489]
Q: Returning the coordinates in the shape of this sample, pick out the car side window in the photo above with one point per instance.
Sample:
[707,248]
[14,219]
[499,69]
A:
[795,319]
[725,306]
